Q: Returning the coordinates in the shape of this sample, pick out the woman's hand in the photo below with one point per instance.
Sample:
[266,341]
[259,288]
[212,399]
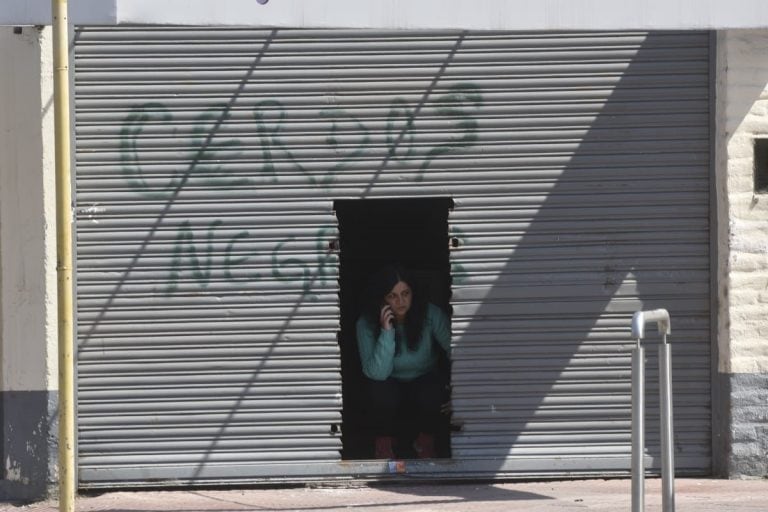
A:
[386,317]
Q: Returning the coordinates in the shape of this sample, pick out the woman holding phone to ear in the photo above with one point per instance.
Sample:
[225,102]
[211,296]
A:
[399,336]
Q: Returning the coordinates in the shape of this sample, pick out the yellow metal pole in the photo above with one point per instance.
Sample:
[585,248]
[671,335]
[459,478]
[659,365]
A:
[64,256]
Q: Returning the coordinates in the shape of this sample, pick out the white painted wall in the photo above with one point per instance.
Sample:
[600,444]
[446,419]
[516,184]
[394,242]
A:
[743,216]
[457,14]
[27,225]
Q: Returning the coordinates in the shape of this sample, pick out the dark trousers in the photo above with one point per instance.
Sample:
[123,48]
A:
[397,405]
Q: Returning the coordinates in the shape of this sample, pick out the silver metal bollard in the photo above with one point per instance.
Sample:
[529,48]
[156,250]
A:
[661,317]
[638,428]
[667,439]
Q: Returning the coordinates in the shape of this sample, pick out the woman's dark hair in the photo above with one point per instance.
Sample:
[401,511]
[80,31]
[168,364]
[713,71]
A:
[380,284]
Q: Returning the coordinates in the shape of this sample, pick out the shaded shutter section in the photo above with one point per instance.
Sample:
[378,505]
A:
[589,202]
[208,160]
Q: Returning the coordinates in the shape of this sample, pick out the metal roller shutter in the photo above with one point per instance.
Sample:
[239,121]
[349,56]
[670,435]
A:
[208,160]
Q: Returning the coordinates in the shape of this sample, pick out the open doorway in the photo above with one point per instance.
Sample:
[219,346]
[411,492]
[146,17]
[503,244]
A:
[374,233]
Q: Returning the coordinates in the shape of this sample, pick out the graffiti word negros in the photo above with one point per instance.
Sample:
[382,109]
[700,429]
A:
[197,260]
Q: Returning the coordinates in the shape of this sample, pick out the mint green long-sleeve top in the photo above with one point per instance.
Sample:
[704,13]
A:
[378,355]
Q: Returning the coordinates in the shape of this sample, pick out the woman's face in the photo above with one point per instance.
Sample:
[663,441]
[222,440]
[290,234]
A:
[399,299]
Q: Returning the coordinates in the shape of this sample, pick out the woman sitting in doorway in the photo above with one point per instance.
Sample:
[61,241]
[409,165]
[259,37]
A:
[396,337]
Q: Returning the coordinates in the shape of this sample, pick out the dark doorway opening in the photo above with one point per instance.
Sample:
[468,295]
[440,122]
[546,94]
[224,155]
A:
[374,233]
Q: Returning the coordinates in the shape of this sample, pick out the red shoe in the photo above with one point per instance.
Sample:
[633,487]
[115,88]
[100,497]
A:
[383,449]
[424,446]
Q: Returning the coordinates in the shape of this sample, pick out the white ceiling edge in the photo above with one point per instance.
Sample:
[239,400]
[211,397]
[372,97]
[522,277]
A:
[406,14]
[38,12]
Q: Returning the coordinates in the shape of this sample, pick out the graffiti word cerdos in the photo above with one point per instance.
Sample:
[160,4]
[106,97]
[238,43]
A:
[346,139]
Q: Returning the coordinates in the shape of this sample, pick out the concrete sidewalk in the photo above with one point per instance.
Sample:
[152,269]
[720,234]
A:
[692,495]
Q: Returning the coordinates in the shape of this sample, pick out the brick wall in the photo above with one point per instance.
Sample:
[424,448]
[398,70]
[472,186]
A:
[742,115]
